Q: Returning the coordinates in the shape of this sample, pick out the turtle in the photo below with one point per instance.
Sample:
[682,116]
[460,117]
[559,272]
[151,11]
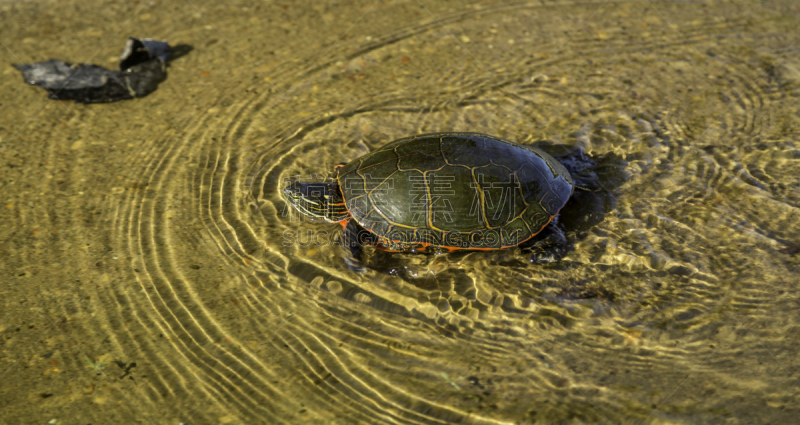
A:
[440,193]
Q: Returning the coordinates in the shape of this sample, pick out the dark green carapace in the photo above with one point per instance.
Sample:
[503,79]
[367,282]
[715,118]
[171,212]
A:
[443,191]
[456,190]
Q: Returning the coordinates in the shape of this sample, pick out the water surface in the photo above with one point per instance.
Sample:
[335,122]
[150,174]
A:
[147,237]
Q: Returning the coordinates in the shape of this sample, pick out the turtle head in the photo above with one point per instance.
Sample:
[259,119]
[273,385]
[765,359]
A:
[319,199]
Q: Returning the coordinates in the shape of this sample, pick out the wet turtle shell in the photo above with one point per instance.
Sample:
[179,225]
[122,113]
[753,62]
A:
[454,191]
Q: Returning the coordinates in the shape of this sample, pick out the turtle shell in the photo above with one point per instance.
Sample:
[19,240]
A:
[454,190]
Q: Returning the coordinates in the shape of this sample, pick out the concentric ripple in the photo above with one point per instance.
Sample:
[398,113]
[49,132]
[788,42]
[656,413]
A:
[239,302]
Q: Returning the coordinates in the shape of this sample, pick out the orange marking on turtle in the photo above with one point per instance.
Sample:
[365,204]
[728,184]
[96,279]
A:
[451,249]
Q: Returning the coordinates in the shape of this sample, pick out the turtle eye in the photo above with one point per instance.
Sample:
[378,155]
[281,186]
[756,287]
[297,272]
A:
[316,194]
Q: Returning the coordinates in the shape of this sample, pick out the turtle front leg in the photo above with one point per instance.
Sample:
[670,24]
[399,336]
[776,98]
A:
[353,247]
[549,246]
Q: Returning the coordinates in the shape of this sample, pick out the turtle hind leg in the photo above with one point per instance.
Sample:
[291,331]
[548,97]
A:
[353,239]
[549,246]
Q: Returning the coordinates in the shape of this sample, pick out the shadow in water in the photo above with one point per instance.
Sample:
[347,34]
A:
[179,51]
[597,181]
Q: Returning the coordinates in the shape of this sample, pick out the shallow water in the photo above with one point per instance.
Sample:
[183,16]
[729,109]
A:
[149,238]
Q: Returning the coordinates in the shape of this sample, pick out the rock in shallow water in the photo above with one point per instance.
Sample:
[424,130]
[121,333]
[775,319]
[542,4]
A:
[142,67]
